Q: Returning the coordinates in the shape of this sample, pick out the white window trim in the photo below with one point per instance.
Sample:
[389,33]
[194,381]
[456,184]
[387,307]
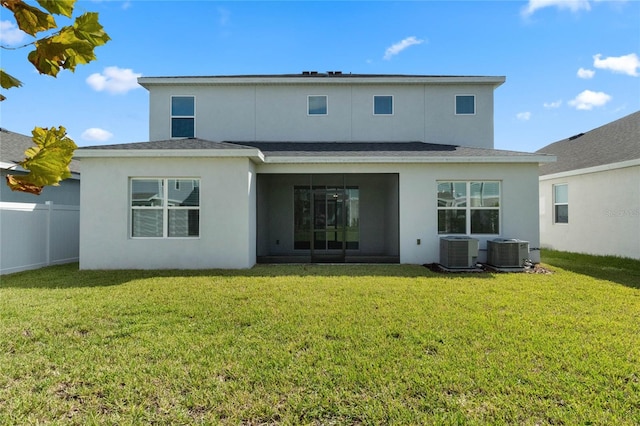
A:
[455,104]
[317,115]
[555,203]
[171,116]
[469,208]
[165,208]
[393,106]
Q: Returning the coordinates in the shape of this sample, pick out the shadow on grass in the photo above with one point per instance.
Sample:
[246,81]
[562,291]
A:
[69,276]
[620,270]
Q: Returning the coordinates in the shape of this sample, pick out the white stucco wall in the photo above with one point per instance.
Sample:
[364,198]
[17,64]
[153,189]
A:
[227,215]
[604,213]
[422,112]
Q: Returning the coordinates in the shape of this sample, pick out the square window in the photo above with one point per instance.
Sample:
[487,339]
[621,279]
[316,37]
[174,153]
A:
[465,104]
[383,105]
[317,105]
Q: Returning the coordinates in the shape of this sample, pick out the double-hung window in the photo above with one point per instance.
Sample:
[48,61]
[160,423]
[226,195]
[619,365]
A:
[183,116]
[561,203]
[383,105]
[471,207]
[317,105]
[164,208]
[465,104]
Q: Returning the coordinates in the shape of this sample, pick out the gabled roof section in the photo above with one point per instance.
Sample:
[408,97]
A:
[12,148]
[615,142]
[333,77]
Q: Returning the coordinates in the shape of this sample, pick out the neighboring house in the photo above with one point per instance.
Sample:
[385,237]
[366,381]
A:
[306,167]
[36,230]
[590,198]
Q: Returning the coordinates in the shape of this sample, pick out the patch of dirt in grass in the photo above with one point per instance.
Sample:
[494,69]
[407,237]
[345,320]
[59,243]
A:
[483,268]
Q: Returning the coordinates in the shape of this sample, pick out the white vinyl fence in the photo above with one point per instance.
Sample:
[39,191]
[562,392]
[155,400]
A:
[37,235]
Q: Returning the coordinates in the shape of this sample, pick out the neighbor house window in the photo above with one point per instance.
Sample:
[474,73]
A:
[465,104]
[165,208]
[469,207]
[561,203]
[183,116]
[382,105]
[317,105]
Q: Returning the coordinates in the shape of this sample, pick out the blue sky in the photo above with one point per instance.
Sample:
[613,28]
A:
[570,65]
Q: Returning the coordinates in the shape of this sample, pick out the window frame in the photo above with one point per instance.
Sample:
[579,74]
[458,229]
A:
[164,207]
[455,104]
[556,204]
[468,207]
[326,105]
[193,117]
[392,106]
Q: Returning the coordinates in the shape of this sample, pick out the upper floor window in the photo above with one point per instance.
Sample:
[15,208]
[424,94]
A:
[469,207]
[165,208]
[183,116]
[383,105]
[465,104]
[561,203]
[317,105]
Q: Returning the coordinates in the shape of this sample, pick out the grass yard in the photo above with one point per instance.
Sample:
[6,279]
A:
[322,345]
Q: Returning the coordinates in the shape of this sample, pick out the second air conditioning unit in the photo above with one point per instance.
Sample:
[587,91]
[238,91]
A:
[505,253]
[458,252]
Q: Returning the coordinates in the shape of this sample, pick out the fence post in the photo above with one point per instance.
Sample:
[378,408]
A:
[49,205]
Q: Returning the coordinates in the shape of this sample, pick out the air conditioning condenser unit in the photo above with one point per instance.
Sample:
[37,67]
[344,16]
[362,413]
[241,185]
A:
[507,253]
[458,252]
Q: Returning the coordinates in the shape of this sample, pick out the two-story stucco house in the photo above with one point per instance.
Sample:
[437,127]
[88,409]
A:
[307,167]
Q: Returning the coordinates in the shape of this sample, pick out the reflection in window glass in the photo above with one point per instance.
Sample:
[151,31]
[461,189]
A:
[383,105]
[317,105]
[469,207]
[561,203]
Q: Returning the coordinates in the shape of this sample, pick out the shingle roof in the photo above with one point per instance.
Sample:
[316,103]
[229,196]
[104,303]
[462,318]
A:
[13,145]
[372,149]
[177,144]
[612,143]
[321,149]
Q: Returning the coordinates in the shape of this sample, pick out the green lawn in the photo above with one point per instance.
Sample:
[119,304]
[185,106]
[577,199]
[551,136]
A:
[323,345]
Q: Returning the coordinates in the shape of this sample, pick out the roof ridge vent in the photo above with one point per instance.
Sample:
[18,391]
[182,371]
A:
[574,137]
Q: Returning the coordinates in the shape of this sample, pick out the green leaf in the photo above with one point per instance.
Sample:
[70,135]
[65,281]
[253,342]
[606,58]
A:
[48,161]
[71,46]
[58,7]
[30,19]
[7,81]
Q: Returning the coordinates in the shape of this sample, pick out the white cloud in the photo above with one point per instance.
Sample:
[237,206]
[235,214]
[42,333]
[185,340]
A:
[585,73]
[588,99]
[523,116]
[553,105]
[96,135]
[627,64]
[572,5]
[114,80]
[400,46]
[10,34]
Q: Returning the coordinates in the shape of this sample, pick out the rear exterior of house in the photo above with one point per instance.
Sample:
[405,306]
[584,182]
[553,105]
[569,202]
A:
[590,198]
[306,168]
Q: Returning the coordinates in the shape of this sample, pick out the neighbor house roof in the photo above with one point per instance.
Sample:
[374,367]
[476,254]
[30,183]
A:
[312,152]
[12,148]
[615,142]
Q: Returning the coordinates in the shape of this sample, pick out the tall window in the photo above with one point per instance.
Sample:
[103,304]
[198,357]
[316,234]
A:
[165,208]
[183,116]
[383,105]
[469,207]
[561,203]
[317,105]
[465,104]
